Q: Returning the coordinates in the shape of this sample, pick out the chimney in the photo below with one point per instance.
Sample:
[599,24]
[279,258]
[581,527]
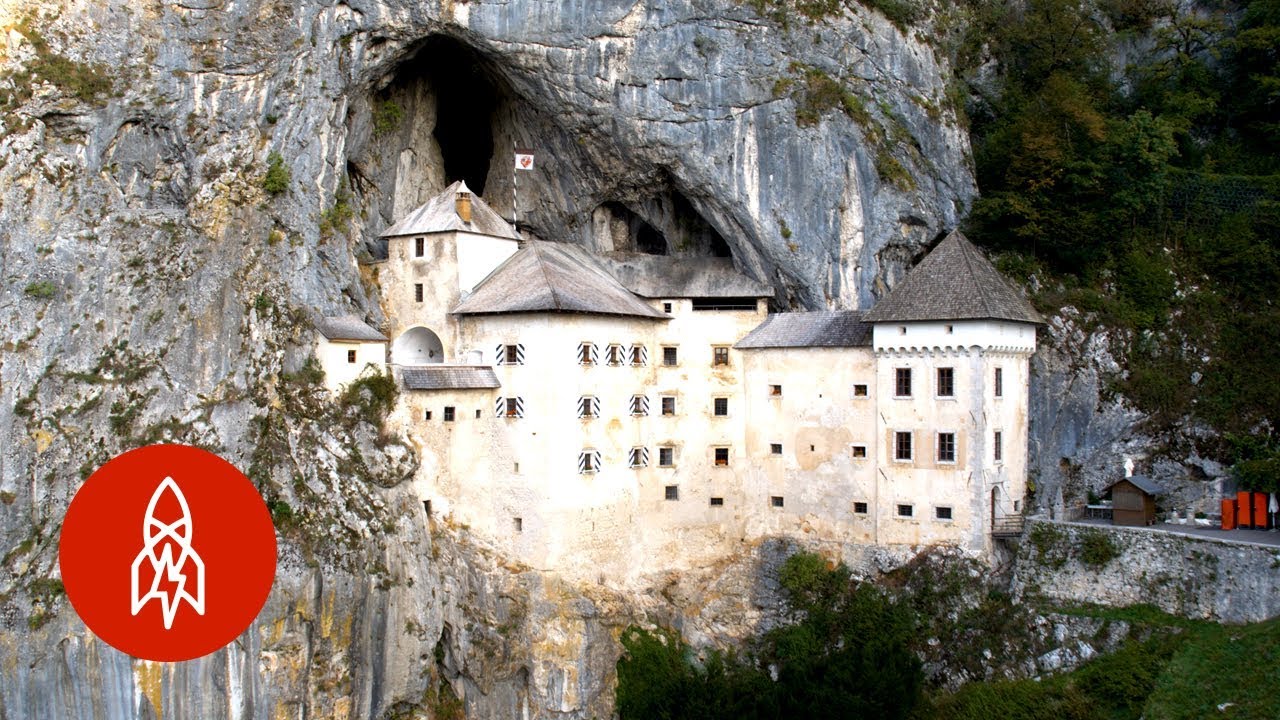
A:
[464,207]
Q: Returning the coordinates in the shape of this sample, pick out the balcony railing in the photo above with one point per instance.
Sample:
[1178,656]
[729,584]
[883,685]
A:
[1007,527]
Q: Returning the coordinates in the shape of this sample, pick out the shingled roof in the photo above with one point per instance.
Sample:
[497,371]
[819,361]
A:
[662,276]
[348,327]
[449,377]
[553,277]
[440,214]
[953,282]
[824,328]
[1142,482]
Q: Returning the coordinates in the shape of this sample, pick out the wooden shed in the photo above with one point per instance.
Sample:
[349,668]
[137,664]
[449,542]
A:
[1133,501]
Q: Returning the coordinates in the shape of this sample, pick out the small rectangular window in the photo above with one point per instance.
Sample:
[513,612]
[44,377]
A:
[720,356]
[419,247]
[638,457]
[859,391]
[906,511]
[775,391]
[997,446]
[639,355]
[589,461]
[519,524]
[426,415]
[672,492]
[351,356]
[639,405]
[417,292]
[902,382]
[999,383]
[666,308]
[666,457]
[588,407]
[720,407]
[775,500]
[669,357]
[668,405]
[942,513]
[775,448]
[511,355]
[902,446]
[946,382]
[512,407]
[859,508]
[448,413]
[587,354]
[722,457]
[477,414]
[946,447]
[614,356]
[717,501]
[859,451]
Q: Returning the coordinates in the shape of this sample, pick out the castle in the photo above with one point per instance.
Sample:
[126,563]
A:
[607,415]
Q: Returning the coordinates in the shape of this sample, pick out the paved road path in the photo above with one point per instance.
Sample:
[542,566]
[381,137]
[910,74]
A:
[1261,537]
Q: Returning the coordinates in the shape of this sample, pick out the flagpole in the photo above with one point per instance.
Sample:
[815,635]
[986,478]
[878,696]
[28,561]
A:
[515,199]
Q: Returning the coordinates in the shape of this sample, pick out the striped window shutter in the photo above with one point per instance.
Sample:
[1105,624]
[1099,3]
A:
[588,406]
[519,353]
[589,461]
[500,407]
[500,355]
[639,355]
[639,405]
[639,457]
[595,456]
[519,407]
[595,354]
[583,459]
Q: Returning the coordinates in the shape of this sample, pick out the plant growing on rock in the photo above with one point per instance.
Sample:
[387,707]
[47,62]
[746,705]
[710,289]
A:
[277,179]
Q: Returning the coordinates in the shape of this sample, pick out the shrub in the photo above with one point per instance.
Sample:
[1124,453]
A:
[374,395]
[1049,543]
[277,179]
[386,117]
[1097,549]
[42,290]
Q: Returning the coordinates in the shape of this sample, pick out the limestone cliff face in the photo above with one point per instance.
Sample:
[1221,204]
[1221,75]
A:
[153,290]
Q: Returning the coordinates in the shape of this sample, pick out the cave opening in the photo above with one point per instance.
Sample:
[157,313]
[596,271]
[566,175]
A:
[618,228]
[467,97]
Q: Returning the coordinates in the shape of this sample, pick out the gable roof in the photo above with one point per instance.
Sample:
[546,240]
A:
[553,277]
[449,377]
[823,328]
[348,327]
[663,276]
[440,214]
[1142,482]
[954,282]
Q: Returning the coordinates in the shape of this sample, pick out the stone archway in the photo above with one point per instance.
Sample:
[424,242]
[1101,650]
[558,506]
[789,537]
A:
[417,346]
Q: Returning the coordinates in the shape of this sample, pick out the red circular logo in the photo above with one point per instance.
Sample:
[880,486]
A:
[167,552]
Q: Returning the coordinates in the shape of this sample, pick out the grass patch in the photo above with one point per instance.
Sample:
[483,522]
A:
[1236,665]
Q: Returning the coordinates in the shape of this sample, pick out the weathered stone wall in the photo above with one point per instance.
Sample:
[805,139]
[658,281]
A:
[1196,577]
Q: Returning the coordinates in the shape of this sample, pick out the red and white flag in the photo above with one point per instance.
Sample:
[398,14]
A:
[524,159]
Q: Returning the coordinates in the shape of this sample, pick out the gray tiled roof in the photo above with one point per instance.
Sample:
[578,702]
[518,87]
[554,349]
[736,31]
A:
[662,276]
[1143,483]
[440,214]
[824,328]
[553,277]
[449,377]
[348,327]
[954,282]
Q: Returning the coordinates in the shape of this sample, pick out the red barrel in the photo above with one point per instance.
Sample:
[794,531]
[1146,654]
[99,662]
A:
[1229,514]
[1244,511]
[1260,510]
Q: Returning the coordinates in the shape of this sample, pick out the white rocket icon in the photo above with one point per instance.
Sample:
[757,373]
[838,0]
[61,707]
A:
[165,537]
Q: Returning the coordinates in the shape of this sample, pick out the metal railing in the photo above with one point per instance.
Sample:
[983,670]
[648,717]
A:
[1007,527]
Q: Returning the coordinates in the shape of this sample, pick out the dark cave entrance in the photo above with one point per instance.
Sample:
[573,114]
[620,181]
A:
[628,231]
[467,96]
[663,224]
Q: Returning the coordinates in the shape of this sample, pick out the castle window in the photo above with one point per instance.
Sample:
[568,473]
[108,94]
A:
[775,448]
[477,414]
[587,354]
[717,501]
[946,382]
[512,407]
[950,329]
[588,407]
[417,292]
[722,457]
[419,247]
[588,461]
[426,415]
[906,511]
[997,446]
[672,492]
[859,451]
[775,391]
[519,524]
[638,457]
[351,356]
[859,508]
[859,391]
[942,513]
[946,447]
[902,382]
[614,356]
[639,355]
[669,356]
[775,500]
[510,354]
[999,384]
[668,405]
[448,413]
[639,405]
[720,356]
[666,457]
[720,407]
[902,446]
[666,308]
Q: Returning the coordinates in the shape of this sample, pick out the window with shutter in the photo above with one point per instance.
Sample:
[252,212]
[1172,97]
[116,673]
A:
[614,356]
[588,354]
[638,457]
[639,405]
[588,407]
[589,461]
[639,355]
[510,354]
